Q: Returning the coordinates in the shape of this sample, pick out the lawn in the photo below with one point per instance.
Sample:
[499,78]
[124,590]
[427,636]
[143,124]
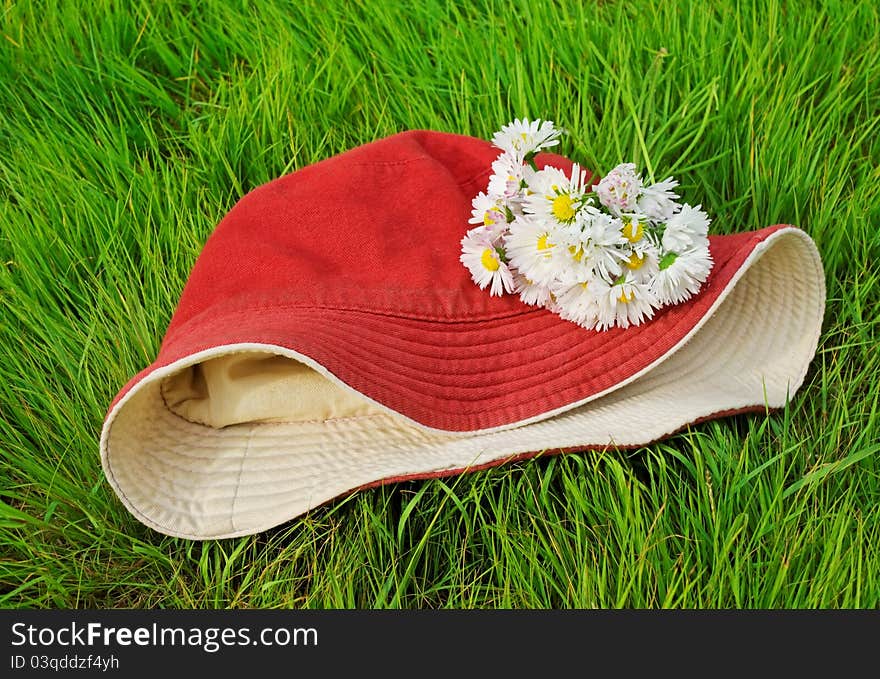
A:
[127,131]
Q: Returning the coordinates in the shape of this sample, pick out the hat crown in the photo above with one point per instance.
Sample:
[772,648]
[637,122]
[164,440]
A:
[376,228]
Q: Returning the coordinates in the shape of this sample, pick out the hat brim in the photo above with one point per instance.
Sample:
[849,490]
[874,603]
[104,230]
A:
[452,397]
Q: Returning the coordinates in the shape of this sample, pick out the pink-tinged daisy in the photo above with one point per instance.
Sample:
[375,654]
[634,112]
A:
[680,275]
[578,303]
[619,190]
[686,230]
[490,213]
[484,262]
[522,138]
[657,201]
[530,245]
[553,196]
[624,304]
[506,182]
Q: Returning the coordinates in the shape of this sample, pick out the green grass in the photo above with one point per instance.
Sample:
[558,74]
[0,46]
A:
[127,132]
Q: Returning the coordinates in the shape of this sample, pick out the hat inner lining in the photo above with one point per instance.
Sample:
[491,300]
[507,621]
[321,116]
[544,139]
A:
[258,386]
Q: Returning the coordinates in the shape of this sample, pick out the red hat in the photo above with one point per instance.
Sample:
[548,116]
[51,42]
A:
[329,338]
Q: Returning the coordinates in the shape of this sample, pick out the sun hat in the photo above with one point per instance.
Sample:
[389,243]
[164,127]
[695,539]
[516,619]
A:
[329,339]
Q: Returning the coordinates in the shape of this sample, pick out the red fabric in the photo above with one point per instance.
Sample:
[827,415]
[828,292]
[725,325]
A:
[354,262]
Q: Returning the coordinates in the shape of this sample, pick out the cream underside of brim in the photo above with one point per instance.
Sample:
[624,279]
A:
[187,479]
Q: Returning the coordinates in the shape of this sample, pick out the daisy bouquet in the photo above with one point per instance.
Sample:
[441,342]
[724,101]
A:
[605,255]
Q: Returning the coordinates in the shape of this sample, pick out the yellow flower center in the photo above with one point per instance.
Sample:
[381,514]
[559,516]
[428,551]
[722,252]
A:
[490,260]
[577,254]
[633,231]
[542,242]
[635,261]
[624,299]
[563,208]
[487,220]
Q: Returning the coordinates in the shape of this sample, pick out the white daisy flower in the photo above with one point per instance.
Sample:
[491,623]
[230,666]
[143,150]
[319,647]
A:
[484,262]
[571,261]
[643,262]
[578,303]
[619,190]
[657,201]
[633,225]
[624,304]
[522,138]
[506,181]
[533,293]
[530,245]
[554,196]
[602,244]
[680,275]
[686,230]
